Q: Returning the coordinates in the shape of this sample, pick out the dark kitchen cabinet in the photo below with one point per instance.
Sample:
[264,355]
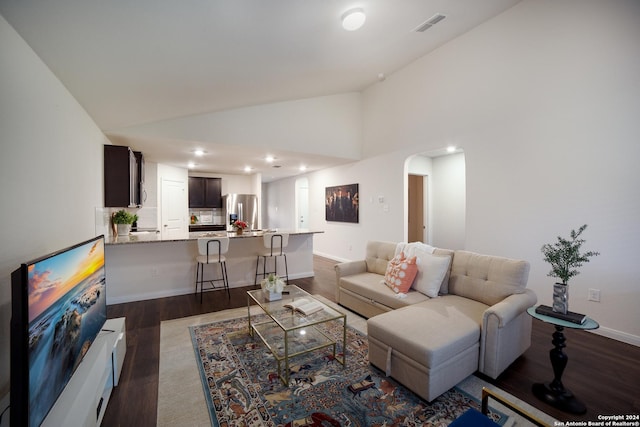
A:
[123,177]
[196,192]
[205,192]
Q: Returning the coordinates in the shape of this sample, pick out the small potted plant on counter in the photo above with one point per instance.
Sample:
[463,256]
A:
[239,226]
[123,220]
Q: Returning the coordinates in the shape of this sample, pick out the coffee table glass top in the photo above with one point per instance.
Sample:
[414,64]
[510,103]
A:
[287,318]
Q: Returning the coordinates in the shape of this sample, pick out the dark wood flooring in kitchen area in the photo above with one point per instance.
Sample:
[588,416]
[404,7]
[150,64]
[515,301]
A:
[603,373]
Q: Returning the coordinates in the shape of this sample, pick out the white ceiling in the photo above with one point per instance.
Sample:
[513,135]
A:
[142,61]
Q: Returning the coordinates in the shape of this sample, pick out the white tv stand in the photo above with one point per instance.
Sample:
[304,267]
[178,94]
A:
[84,400]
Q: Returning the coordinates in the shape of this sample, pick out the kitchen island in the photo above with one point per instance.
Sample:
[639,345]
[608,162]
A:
[144,266]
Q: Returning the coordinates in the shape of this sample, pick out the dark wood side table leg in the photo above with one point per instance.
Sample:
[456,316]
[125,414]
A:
[554,392]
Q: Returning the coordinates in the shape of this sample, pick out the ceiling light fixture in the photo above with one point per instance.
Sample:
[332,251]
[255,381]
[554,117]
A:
[353,19]
[451,149]
[247,168]
[199,153]
[269,159]
[303,168]
[191,165]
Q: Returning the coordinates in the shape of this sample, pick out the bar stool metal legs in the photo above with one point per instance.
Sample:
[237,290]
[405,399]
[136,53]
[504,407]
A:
[275,243]
[201,281]
[211,252]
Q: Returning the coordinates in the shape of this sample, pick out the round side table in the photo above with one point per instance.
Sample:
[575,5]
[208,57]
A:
[554,393]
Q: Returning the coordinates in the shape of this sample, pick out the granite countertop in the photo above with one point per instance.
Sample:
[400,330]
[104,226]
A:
[154,237]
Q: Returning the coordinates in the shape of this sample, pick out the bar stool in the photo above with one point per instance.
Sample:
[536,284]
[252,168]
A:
[275,243]
[211,250]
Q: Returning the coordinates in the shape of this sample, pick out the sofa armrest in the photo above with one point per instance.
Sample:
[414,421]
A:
[511,307]
[349,268]
[506,332]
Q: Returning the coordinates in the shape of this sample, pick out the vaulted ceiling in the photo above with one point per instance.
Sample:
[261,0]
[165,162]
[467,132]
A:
[138,62]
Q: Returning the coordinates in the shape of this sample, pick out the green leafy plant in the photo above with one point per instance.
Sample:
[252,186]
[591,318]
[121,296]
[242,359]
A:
[565,256]
[272,283]
[124,217]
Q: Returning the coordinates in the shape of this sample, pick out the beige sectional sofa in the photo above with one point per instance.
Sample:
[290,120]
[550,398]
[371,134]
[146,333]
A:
[475,320]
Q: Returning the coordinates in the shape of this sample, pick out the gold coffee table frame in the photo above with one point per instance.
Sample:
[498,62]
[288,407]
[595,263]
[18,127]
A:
[300,332]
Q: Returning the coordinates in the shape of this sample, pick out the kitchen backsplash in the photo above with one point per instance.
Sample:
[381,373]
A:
[206,216]
[147,218]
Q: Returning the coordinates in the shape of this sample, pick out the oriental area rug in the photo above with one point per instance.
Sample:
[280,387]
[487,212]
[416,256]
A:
[181,400]
[242,387]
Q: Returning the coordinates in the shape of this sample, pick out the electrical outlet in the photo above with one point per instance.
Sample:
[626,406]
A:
[594,295]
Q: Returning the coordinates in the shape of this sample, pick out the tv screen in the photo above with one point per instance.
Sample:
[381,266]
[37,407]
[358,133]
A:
[58,309]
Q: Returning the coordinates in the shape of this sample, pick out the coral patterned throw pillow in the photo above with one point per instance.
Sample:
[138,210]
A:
[400,273]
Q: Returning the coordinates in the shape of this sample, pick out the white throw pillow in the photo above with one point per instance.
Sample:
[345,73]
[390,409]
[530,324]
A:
[432,270]
[411,248]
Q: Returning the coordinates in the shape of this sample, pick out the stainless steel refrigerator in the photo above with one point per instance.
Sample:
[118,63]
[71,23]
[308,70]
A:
[243,207]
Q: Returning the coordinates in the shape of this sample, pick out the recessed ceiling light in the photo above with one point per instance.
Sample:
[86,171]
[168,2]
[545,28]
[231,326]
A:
[451,149]
[269,159]
[247,168]
[191,165]
[199,153]
[303,168]
[353,19]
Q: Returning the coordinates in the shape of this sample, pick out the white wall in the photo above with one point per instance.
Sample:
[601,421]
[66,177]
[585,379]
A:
[381,176]
[278,205]
[448,201]
[50,169]
[544,99]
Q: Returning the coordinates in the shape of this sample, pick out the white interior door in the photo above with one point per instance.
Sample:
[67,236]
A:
[174,209]
[302,203]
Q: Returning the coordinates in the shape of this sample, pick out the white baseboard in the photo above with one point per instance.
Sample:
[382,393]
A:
[333,257]
[617,335]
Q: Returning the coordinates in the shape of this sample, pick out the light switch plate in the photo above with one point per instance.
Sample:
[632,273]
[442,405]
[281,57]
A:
[594,295]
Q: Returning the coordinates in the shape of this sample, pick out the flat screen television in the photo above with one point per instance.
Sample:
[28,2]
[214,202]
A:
[58,307]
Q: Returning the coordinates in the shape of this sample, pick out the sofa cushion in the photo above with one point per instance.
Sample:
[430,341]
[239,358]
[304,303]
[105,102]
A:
[432,270]
[487,279]
[378,255]
[430,332]
[371,286]
[401,271]
[444,288]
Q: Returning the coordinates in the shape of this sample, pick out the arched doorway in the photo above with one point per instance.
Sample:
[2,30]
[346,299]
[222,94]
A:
[438,178]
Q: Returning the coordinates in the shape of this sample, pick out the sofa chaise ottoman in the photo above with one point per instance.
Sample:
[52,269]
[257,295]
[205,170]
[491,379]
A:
[476,322]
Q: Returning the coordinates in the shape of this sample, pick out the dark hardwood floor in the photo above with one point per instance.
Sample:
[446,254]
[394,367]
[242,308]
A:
[603,373]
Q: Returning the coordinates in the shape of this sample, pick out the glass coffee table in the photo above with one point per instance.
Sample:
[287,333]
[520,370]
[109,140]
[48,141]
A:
[288,332]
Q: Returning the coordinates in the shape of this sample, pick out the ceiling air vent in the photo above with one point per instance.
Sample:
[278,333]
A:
[429,23]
